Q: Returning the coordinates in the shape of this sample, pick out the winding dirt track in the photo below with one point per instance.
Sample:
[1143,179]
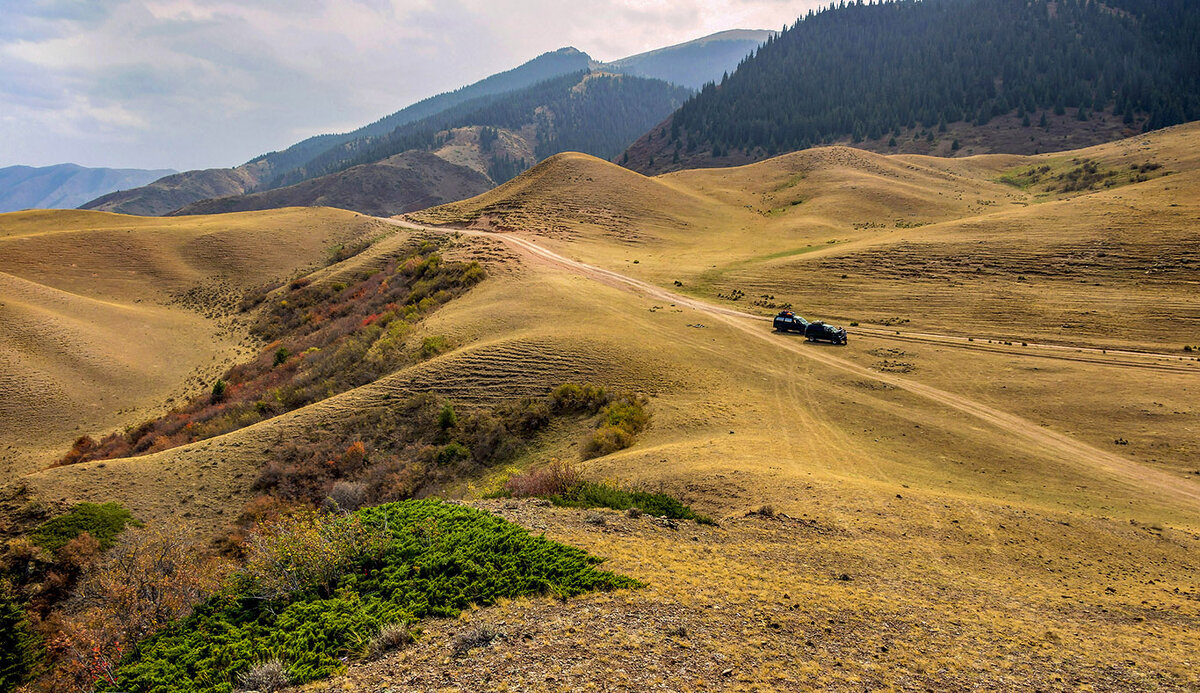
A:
[1064,446]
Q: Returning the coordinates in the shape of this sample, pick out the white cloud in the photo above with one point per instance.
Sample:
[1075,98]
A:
[195,83]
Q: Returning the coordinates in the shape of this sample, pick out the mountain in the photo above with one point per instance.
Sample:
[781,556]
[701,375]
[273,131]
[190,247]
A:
[474,145]
[402,183]
[168,194]
[945,77]
[65,186]
[695,63]
[545,66]
[689,64]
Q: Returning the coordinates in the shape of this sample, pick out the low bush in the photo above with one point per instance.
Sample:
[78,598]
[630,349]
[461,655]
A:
[471,638]
[148,579]
[393,636]
[439,558]
[578,399]
[590,494]
[102,522]
[620,422]
[264,677]
[553,479]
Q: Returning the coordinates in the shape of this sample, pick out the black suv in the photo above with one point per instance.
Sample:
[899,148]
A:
[787,321]
[819,331]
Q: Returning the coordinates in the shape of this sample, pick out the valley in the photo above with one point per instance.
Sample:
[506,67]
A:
[992,485]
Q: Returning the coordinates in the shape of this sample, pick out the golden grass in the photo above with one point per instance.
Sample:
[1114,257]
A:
[981,546]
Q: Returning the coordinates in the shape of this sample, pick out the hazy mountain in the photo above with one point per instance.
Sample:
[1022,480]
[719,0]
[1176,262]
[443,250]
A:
[604,120]
[65,186]
[945,77]
[469,148]
[168,194]
[402,183]
[695,63]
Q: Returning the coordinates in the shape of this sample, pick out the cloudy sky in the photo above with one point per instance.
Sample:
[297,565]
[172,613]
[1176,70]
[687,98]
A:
[210,83]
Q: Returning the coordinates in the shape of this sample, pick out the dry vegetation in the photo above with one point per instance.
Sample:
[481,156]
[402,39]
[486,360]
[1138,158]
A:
[994,485]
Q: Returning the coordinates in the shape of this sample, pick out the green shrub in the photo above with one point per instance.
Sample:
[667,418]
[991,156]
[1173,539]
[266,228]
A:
[432,346]
[440,558]
[218,392]
[620,422]
[446,417]
[20,649]
[570,397]
[281,356]
[599,495]
[451,453]
[103,522]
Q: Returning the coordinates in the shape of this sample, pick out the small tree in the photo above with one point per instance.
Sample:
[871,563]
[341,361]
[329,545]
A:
[218,392]
[447,418]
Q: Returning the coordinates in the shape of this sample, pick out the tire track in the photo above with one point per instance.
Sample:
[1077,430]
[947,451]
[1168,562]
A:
[1045,439]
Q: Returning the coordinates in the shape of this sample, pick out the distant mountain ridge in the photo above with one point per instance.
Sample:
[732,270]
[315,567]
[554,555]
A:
[944,77]
[316,157]
[471,147]
[402,183]
[65,186]
[695,63]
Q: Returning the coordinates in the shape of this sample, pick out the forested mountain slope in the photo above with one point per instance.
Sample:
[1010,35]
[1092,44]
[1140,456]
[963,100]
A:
[469,148]
[690,64]
[945,76]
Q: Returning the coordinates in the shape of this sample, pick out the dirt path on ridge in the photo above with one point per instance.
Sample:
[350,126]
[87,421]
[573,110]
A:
[1066,446]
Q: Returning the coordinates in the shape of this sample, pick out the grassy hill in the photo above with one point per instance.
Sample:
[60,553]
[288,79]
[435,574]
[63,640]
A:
[944,77]
[132,313]
[993,484]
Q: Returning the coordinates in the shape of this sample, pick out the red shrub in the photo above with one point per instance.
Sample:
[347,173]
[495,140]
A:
[555,478]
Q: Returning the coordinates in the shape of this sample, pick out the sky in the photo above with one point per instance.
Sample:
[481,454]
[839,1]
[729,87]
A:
[190,84]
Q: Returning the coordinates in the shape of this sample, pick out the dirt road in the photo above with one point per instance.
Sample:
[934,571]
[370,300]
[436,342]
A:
[1068,448]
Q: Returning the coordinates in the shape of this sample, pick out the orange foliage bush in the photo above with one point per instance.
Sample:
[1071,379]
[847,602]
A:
[148,579]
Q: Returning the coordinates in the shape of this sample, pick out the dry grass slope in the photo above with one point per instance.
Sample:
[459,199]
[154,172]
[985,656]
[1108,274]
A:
[1006,514]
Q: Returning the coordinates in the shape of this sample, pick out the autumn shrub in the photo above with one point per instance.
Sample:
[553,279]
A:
[439,558]
[149,578]
[320,341]
[348,496]
[552,479]
[472,638]
[433,346]
[573,398]
[452,452]
[393,636]
[447,418]
[307,552]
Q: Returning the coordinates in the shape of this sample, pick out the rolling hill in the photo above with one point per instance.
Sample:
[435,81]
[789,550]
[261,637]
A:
[65,186]
[992,485]
[944,77]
